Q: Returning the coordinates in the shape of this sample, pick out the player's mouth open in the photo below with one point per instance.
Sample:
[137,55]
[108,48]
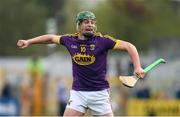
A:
[88,30]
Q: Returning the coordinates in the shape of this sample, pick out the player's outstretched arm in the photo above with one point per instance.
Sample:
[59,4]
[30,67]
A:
[133,53]
[38,40]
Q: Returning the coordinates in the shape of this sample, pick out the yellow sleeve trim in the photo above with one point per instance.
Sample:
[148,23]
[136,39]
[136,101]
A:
[116,45]
[58,40]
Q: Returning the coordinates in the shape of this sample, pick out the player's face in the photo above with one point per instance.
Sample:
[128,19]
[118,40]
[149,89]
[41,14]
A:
[88,26]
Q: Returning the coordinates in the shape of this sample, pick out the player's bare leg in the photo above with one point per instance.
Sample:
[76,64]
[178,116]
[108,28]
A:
[72,112]
[106,115]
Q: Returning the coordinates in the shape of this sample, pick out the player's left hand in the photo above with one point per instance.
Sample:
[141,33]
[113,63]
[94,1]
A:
[139,72]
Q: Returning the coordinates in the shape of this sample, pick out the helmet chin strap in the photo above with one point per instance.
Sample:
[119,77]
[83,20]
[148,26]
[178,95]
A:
[88,35]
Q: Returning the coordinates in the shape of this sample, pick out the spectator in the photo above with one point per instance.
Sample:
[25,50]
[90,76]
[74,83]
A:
[178,94]
[143,91]
[62,96]
[9,104]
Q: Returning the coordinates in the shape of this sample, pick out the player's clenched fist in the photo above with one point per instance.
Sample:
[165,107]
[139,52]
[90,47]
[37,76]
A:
[22,43]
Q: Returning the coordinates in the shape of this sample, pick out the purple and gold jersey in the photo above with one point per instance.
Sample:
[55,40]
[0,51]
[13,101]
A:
[89,60]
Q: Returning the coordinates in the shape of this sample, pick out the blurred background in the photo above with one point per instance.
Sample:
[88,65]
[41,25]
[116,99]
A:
[37,80]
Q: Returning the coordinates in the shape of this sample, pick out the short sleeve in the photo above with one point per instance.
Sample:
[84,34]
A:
[66,38]
[110,42]
[63,39]
[116,45]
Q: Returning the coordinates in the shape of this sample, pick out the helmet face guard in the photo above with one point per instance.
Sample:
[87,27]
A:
[84,15]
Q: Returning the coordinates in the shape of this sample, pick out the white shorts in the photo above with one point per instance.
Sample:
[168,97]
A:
[98,102]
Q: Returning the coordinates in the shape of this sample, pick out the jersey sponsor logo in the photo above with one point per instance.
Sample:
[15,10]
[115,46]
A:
[83,59]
